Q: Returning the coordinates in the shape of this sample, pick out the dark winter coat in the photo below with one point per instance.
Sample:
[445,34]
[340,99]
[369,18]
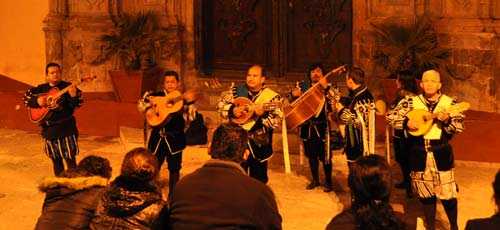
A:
[69,202]
[129,203]
[484,224]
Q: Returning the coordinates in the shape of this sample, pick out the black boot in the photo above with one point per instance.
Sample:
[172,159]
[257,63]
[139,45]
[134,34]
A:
[313,165]
[328,177]
[429,205]
[450,207]
[173,178]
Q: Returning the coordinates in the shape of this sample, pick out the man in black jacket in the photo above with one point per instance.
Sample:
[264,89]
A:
[219,195]
[58,125]
[358,92]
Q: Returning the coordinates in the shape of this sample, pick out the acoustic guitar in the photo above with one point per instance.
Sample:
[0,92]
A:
[39,115]
[426,118]
[162,106]
[249,108]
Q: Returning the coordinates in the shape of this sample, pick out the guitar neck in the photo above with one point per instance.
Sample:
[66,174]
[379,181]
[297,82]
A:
[63,91]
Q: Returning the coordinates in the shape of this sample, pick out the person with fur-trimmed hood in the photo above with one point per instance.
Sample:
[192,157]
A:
[134,199]
[71,198]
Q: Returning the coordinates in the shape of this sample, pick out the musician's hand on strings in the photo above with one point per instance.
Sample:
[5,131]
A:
[339,106]
[443,116]
[413,125]
[258,110]
[41,101]
[237,111]
[189,96]
[72,90]
[296,92]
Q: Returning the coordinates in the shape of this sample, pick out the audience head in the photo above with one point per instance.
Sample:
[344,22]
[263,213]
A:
[496,189]
[139,163]
[95,165]
[229,142]
[370,180]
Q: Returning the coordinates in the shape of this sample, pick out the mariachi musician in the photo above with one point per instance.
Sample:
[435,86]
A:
[259,113]
[315,131]
[167,139]
[356,145]
[58,124]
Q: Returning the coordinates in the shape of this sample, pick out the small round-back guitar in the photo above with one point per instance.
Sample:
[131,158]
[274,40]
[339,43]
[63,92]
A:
[249,108]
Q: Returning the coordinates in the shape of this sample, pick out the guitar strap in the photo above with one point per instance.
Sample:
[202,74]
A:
[419,102]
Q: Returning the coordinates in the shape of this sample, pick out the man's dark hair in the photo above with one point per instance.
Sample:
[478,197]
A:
[172,73]
[229,142]
[313,67]
[95,165]
[51,64]
[357,75]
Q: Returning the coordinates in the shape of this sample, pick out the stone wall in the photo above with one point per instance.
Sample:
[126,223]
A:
[468,27]
[73,28]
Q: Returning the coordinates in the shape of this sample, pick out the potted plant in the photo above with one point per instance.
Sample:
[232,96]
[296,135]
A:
[412,47]
[133,48]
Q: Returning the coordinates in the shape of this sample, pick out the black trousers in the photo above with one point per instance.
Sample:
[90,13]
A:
[256,168]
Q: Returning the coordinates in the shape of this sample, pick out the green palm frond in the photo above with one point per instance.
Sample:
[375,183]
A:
[411,47]
[135,37]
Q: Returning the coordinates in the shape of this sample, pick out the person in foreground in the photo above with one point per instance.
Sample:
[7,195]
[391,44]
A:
[72,197]
[219,195]
[370,181]
[133,200]
[492,222]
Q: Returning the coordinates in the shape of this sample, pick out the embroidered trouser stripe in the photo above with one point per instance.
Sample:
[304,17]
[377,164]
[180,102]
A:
[66,147]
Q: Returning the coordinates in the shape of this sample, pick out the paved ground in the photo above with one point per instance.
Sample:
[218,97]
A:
[23,165]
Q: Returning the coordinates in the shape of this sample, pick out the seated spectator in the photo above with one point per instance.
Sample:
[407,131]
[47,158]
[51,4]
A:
[494,221]
[219,195]
[72,197]
[133,200]
[370,181]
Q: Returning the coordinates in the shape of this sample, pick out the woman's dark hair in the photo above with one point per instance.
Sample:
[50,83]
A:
[51,64]
[408,81]
[96,165]
[139,163]
[229,142]
[370,181]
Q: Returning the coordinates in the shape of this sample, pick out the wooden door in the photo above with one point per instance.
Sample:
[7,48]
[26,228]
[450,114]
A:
[285,36]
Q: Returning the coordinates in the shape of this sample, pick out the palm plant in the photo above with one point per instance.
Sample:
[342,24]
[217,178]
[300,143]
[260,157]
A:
[135,44]
[412,47]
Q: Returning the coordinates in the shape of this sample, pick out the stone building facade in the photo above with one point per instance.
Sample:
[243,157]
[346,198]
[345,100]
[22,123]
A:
[468,27]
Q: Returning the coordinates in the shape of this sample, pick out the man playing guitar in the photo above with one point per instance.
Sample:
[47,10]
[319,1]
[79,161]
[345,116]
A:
[59,125]
[167,139]
[262,123]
